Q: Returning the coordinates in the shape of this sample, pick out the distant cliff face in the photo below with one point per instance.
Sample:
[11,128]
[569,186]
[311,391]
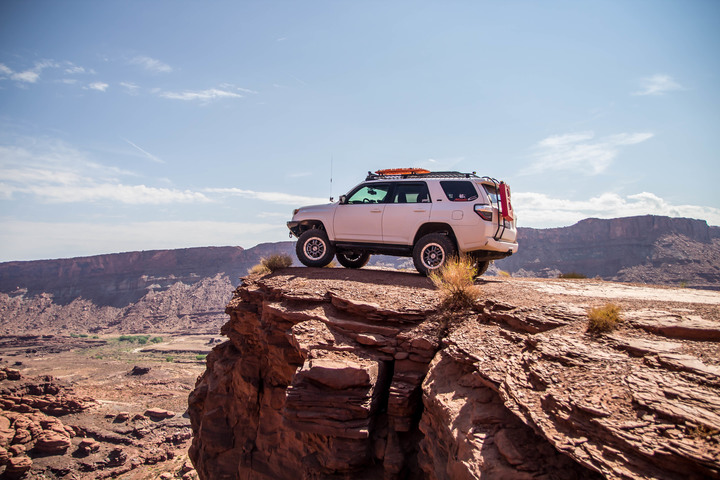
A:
[336,374]
[651,249]
[122,278]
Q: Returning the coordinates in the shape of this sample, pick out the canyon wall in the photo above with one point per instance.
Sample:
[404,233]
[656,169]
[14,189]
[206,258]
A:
[338,374]
[647,249]
[119,279]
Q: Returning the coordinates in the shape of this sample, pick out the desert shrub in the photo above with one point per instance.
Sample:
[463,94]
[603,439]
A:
[332,264]
[603,319]
[701,431]
[200,357]
[455,280]
[503,273]
[169,359]
[572,275]
[156,340]
[258,269]
[141,339]
[277,261]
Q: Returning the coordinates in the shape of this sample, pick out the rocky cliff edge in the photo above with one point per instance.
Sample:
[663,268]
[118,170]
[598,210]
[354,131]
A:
[331,373]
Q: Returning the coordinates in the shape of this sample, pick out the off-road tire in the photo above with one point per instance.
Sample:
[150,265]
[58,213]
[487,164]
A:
[313,248]
[482,267]
[431,252]
[357,259]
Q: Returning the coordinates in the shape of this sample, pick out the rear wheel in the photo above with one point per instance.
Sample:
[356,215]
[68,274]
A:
[353,259]
[482,267]
[313,248]
[431,252]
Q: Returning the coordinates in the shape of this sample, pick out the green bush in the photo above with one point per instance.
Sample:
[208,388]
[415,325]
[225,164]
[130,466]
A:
[200,357]
[169,359]
[156,340]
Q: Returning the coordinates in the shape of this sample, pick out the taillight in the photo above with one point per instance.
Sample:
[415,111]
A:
[485,212]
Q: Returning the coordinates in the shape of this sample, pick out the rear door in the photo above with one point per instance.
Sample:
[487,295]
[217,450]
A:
[408,207]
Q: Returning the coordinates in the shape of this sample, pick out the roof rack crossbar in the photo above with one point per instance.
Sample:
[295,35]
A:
[377,176]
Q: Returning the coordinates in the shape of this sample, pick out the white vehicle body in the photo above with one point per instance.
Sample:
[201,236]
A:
[390,214]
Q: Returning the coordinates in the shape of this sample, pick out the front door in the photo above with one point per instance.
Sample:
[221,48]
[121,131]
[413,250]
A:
[359,219]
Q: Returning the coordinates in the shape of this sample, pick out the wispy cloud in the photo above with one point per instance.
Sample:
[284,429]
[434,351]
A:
[53,172]
[540,210]
[201,95]
[439,164]
[659,84]
[581,152]
[31,75]
[130,87]
[151,64]
[272,197]
[145,153]
[99,86]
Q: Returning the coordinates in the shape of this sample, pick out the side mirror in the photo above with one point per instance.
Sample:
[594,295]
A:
[343,199]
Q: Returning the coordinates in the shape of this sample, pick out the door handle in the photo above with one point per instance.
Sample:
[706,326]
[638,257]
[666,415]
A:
[420,210]
[375,211]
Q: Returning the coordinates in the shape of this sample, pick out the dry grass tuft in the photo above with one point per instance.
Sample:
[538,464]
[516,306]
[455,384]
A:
[603,319]
[269,264]
[277,261]
[456,282]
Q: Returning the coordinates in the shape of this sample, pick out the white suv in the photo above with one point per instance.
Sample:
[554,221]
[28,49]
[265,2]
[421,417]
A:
[429,216]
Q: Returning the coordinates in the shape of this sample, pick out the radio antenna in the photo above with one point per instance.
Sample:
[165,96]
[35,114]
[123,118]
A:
[331,175]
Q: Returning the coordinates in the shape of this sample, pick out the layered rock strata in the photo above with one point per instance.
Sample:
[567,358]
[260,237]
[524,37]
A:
[329,374]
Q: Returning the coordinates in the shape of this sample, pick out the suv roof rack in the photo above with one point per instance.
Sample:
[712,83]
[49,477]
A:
[376,175]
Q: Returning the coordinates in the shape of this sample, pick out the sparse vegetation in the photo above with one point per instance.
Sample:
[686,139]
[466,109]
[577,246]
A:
[701,431]
[200,357]
[332,264]
[270,264]
[79,335]
[503,273]
[575,275]
[603,319]
[258,269]
[277,261]
[169,359]
[456,282]
[140,339]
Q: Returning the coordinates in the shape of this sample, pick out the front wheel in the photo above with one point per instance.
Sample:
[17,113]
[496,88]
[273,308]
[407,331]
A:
[313,248]
[357,259]
[432,252]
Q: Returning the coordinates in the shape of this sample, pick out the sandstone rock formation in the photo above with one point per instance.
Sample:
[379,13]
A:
[46,432]
[337,374]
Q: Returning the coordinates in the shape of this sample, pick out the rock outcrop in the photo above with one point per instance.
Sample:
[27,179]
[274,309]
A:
[338,374]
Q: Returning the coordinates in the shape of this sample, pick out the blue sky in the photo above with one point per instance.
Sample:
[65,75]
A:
[129,125]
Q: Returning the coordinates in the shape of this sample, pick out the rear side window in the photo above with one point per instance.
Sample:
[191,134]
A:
[492,193]
[411,193]
[461,191]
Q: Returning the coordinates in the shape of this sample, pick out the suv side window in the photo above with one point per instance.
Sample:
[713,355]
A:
[372,193]
[411,193]
[459,191]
